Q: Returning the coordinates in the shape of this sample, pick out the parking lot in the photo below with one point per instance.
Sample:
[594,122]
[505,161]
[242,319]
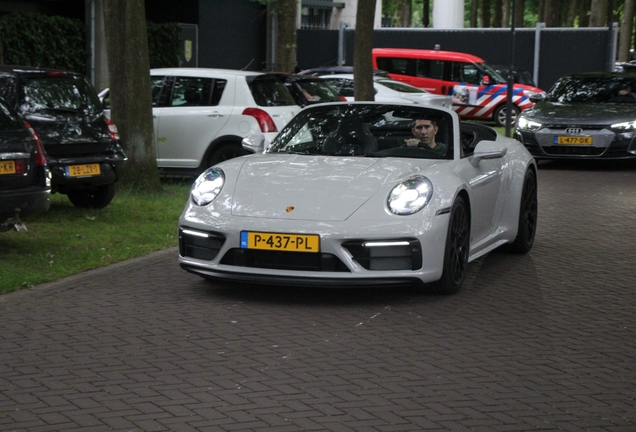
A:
[544,341]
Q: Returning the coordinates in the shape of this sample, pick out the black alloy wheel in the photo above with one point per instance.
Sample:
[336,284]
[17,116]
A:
[528,212]
[456,251]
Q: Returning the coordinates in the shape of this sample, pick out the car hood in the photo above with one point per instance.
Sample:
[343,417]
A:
[324,188]
[548,113]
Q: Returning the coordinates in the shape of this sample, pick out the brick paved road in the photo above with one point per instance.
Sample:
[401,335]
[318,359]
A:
[543,342]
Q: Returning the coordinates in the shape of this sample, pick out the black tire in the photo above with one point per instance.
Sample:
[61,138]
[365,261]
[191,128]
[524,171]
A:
[499,116]
[225,152]
[528,211]
[97,197]
[456,250]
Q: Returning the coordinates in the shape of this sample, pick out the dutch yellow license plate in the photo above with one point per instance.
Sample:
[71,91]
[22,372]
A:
[573,140]
[280,242]
[7,167]
[83,170]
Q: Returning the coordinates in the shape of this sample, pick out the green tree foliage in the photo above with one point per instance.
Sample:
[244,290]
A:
[30,39]
[163,44]
[47,41]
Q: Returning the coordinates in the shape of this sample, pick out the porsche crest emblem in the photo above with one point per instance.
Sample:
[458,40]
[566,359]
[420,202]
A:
[289,209]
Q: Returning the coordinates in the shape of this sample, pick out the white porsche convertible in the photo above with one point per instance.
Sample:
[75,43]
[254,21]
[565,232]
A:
[342,197]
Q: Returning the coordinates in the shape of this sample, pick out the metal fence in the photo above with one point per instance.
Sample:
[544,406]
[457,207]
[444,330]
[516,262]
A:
[548,53]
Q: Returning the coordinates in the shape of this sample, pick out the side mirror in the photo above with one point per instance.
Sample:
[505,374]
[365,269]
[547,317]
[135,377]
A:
[488,150]
[485,80]
[537,97]
[254,143]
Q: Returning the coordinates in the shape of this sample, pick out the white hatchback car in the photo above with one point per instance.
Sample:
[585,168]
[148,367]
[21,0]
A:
[201,115]
[388,90]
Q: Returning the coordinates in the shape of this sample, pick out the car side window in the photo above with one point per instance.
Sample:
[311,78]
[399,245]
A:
[398,65]
[466,73]
[192,91]
[158,97]
[7,84]
[430,69]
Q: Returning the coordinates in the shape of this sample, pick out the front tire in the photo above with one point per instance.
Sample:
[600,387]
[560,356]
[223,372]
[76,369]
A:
[528,211]
[499,115]
[456,250]
[96,197]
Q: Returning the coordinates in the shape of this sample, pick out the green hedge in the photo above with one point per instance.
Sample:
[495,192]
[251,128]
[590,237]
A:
[30,39]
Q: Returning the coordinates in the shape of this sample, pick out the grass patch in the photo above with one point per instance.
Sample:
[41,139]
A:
[67,240]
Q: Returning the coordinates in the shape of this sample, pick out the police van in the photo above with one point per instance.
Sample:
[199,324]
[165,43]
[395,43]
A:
[478,91]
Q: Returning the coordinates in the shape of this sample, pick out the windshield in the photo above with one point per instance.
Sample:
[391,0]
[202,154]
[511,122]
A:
[63,93]
[496,77]
[372,130]
[595,88]
[318,91]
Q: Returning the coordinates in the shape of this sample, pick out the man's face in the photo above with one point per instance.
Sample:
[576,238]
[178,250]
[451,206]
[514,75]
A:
[425,131]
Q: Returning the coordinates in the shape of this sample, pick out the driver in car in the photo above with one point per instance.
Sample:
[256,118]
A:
[424,131]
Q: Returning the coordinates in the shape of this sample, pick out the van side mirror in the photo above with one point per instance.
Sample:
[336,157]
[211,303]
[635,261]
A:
[485,80]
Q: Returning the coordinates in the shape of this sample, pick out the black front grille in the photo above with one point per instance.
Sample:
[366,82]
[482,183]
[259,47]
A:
[76,149]
[391,256]
[199,244]
[304,261]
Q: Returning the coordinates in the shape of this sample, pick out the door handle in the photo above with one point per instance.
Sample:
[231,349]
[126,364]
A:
[214,115]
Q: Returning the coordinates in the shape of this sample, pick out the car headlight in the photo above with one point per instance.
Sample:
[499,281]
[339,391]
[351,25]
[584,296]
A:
[625,126]
[527,125]
[410,196]
[207,186]
[533,94]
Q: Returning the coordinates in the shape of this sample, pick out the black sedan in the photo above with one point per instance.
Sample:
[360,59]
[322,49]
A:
[25,181]
[583,116]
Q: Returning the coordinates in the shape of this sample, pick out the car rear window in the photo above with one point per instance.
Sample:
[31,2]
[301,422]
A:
[57,92]
[9,120]
[270,92]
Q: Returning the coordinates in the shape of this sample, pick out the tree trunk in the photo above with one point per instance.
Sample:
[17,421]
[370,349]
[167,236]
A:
[285,55]
[497,20]
[404,13]
[598,13]
[474,13]
[506,11]
[520,8]
[130,90]
[584,7]
[625,36]
[552,13]
[571,13]
[485,13]
[426,13]
[362,46]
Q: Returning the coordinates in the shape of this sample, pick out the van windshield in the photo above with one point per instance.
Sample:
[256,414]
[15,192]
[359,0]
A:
[494,75]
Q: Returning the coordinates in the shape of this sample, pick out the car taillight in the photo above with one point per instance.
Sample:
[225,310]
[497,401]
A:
[112,129]
[40,155]
[264,120]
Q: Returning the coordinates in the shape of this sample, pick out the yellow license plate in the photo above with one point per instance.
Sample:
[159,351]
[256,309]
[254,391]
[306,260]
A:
[83,170]
[280,242]
[574,140]
[7,167]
